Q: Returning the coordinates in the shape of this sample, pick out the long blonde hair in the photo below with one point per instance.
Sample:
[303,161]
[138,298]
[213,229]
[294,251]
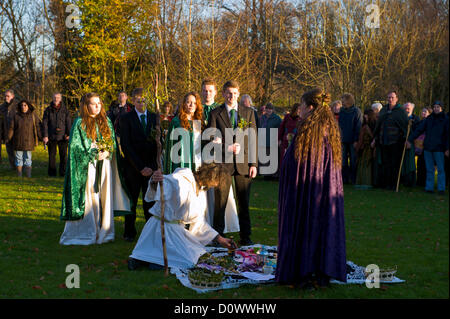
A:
[313,129]
[89,123]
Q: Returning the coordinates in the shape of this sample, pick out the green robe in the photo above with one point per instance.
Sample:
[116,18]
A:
[80,154]
[186,151]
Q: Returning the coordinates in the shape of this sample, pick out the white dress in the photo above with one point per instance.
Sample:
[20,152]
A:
[92,229]
[182,206]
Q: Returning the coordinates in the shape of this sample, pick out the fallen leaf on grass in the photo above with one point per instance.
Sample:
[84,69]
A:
[62,286]
[36,287]
[42,278]
[384,288]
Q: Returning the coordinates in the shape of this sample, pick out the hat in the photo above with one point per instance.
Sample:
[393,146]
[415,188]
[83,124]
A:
[269,106]
[438,103]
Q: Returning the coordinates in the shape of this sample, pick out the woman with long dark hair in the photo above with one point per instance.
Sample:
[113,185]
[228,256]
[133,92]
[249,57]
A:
[311,199]
[93,193]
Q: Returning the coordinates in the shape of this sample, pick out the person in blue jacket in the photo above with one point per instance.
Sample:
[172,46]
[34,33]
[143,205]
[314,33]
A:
[435,145]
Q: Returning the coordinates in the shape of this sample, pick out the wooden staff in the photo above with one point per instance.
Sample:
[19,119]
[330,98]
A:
[161,187]
[403,155]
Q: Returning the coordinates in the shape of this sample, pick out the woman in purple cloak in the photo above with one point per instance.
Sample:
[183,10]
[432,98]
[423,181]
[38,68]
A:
[311,229]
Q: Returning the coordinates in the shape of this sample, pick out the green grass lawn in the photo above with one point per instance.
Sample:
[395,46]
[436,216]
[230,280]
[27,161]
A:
[408,229]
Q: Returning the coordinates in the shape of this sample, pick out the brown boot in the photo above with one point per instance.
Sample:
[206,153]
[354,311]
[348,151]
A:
[28,171]
[19,171]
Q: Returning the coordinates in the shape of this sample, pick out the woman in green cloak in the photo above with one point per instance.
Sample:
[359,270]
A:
[93,191]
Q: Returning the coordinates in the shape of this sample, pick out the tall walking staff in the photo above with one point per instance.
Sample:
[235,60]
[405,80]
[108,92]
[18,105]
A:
[161,187]
[403,155]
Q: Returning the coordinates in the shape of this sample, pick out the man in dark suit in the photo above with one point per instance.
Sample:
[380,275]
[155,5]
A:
[138,142]
[56,125]
[223,118]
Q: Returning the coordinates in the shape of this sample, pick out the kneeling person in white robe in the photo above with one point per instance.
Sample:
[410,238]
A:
[185,203]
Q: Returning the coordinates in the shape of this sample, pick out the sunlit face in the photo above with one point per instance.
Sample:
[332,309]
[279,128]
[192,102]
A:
[408,108]
[139,103]
[246,102]
[57,98]
[166,109]
[123,98]
[424,113]
[336,108]
[190,104]
[392,99]
[24,107]
[437,109]
[209,93]
[94,106]
[231,96]
[262,109]
[8,97]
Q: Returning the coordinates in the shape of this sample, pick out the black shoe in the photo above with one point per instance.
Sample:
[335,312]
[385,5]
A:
[441,193]
[429,192]
[246,242]
[133,264]
[129,238]
[153,266]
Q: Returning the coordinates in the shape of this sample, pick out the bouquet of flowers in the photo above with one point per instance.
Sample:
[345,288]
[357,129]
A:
[101,145]
[105,145]
[243,124]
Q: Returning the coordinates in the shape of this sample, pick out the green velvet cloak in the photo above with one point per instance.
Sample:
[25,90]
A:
[79,156]
[186,154]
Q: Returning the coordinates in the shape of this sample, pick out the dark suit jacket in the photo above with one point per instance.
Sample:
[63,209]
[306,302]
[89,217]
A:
[220,119]
[139,147]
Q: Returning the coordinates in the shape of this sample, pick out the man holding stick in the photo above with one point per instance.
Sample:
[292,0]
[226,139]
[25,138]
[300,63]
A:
[390,133]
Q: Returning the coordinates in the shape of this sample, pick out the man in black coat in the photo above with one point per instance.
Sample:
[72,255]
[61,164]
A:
[350,121]
[390,132]
[117,109]
[56,125]
[138,143]
[7,111]
[223,118]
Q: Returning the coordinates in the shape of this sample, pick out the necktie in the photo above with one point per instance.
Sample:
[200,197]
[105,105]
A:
[233,120]
[144,125]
